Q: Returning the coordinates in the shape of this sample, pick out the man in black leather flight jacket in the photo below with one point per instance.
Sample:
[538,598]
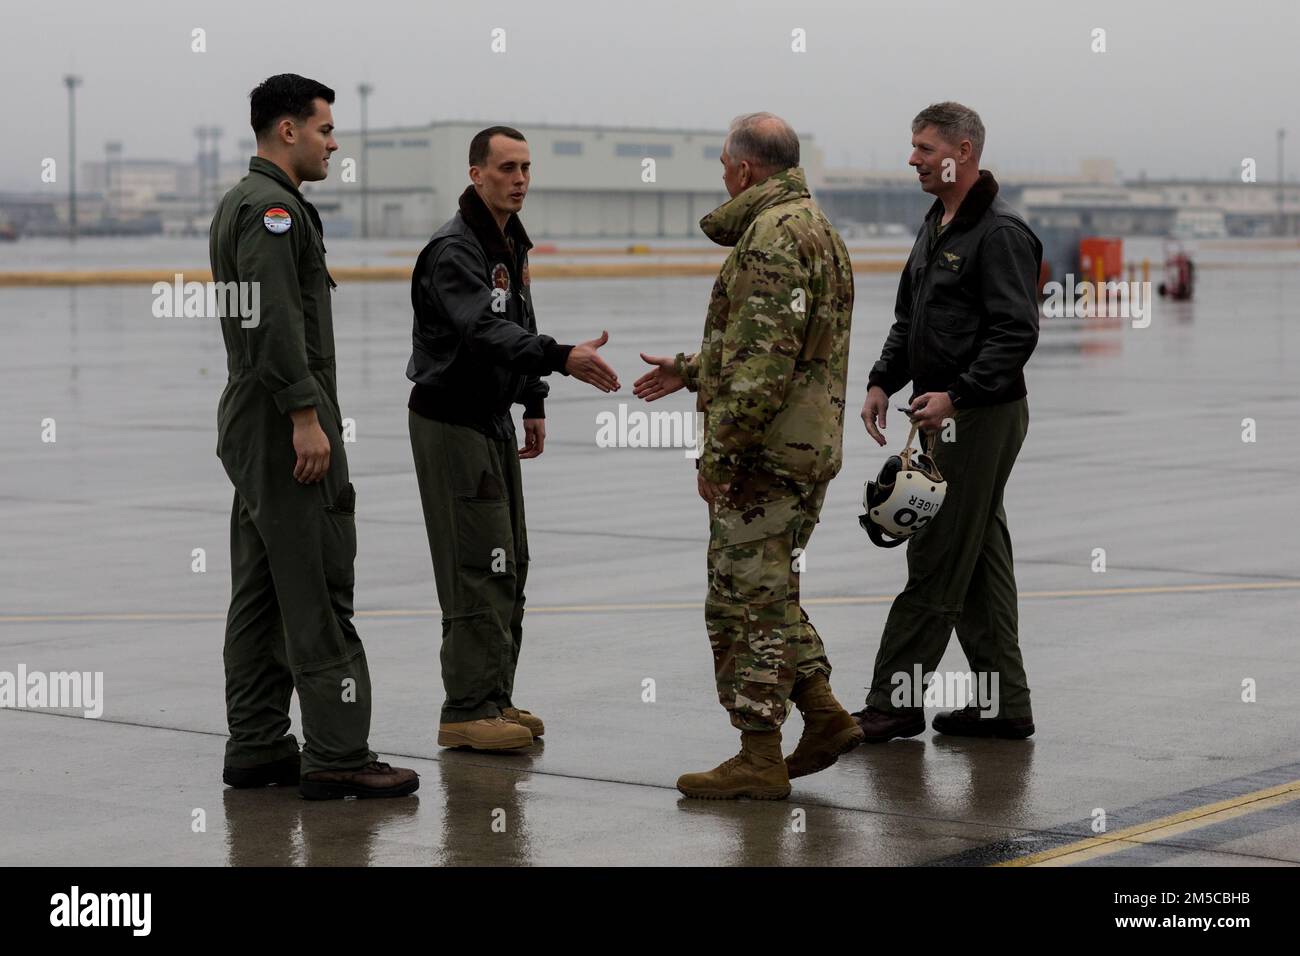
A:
[965,324]
[476,352]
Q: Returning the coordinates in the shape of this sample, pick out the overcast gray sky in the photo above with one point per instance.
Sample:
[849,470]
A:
[1184,88]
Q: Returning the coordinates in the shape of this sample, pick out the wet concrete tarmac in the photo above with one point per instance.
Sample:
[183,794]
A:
[1134,446]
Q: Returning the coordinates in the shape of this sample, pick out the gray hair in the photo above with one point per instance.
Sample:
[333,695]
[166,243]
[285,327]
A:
[764,140]
[954,123]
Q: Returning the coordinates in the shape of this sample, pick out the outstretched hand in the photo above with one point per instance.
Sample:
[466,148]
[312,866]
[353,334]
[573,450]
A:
[587,366]
[659,381]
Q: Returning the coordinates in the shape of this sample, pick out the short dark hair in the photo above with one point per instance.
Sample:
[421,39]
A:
[285,94]
[481,144]
[954,123]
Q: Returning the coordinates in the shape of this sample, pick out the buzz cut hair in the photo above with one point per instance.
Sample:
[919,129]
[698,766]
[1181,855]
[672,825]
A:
[954,123]
[481,145]
[764,140]
[285,94]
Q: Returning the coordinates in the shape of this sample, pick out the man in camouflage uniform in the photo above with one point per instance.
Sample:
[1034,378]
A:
[770,377]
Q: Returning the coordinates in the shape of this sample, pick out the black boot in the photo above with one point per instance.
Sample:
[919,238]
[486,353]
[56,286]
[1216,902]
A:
[283,772]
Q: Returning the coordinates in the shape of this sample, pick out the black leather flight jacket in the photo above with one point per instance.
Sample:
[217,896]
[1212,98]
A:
[475,346]
[966,315]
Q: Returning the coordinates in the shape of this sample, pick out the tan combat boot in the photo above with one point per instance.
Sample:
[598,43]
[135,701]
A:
[828,729]
[531,721]
[490,733]
[757,772]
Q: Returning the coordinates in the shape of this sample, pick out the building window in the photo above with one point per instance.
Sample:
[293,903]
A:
[567,147]
[414,142]
[379,144]
[642,150]
[712,153]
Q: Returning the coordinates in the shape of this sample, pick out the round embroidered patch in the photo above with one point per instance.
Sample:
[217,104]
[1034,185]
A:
[501,276]
[277,220]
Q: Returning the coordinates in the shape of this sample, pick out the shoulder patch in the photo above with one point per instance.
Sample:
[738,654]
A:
[277,220]
[501,276]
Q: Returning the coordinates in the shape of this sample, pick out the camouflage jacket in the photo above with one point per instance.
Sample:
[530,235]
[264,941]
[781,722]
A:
[771,371]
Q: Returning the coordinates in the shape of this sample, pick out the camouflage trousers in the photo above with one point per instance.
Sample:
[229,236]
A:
[762,640]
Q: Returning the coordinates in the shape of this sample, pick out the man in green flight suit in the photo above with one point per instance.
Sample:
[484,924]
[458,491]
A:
[292,529]
[770,377]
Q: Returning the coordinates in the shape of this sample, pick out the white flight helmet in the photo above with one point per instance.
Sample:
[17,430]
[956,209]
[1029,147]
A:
[904,498]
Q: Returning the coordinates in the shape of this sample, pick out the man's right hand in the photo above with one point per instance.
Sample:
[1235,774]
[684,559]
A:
[311,446]
[873,412]
[586,366]
[659,381]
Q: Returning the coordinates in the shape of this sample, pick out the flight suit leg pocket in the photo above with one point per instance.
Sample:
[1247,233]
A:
[339,539]
[484,535]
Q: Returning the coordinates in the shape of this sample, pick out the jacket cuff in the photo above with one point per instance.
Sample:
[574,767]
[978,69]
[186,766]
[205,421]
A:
[557,356]
[301,394]
[535,408]
[877,380]
[688,370]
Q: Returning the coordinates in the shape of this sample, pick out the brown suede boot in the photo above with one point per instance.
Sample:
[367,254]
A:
[828,729]
[489,733]
[531,721]
[757,772]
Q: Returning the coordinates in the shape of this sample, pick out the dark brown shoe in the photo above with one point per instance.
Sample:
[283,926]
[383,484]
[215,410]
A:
[881,725]
[967,722]
[277,773]
[375,779]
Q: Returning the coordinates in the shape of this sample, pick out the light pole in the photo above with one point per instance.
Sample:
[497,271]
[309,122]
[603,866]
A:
[1281,186]
[364,90]
[113,179]
[214,134]
[72,82]
[201,162]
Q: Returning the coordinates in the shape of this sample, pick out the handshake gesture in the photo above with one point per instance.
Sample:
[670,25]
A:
[586,365]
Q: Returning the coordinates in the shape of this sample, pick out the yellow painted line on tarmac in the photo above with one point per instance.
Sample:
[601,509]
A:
[1163,828]
[656,605]
[545,270]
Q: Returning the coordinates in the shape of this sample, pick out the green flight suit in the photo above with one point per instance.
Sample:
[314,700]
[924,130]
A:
[472,493]
[960,569]
[292,545]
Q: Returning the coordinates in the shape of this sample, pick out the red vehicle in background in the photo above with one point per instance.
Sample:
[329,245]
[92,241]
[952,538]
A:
[1180,274]
[1101,259]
